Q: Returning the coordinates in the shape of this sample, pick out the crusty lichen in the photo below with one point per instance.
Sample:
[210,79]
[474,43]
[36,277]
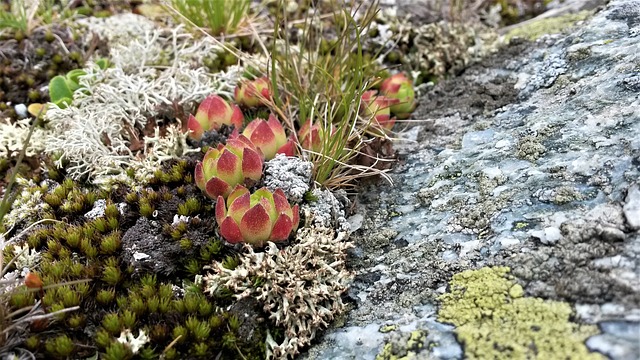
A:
[404,346]
[493,320]
[300,286]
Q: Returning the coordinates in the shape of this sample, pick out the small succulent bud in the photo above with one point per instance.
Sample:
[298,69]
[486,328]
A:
[399,87]
[269,137]
[212,113]
[33,281]
[256,218]
[378,107]
[226,166]
[312,136]
[252,93]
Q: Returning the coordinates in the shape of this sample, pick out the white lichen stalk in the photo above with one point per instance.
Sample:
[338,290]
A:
[13,136]
[302,285]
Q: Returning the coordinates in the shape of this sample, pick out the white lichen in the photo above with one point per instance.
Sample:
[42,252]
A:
[325,211]
[301,285]
[13,136]
[291,174]
[134,343]
[28,203]
[154,70]
[24,257]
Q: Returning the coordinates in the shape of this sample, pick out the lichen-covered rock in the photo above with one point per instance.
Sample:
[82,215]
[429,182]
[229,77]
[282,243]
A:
[494,320]
[526,160]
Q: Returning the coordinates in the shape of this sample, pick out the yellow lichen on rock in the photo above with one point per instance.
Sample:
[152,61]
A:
[494,320]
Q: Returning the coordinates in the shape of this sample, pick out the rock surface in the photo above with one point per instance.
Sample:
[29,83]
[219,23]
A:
[529,160]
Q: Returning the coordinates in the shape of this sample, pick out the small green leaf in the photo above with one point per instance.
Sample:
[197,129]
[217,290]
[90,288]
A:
[72,78]
[103,63]
[59,90]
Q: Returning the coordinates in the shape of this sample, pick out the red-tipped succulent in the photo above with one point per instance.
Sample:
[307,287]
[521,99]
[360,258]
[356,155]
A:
[311,136]
[256,218]
[378,107]
[212,113]
[226,166]
[400,87]
[269,137]
[252,93]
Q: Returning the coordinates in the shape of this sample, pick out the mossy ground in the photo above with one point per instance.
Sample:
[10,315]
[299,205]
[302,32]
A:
[115,292]
[495,321]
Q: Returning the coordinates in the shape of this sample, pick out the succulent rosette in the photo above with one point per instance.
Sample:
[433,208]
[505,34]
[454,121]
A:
[269,137]
[256,218]
[400,87]
[311,136]
[252,93]
[212,113]
[226,166]
[379,107]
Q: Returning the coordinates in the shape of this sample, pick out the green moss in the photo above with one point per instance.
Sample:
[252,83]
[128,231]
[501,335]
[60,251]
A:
[535,29]
[494,321]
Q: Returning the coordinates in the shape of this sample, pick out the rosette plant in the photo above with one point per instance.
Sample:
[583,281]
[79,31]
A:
[399,87]
[269,137]
[256,218]
[212,113]
[226,166]
[378,107]
[311,136]
[252,93]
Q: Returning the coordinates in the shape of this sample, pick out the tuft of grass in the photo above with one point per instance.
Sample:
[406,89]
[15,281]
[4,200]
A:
[21,16]
[322,81]
[220,17]
[14,16]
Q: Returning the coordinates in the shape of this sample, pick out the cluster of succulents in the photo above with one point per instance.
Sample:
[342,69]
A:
[396,97]
[117,269]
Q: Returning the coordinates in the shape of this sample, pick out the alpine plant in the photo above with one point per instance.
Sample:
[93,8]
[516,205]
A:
[269,137]
[222,168]
[379,108]
[399,87]
[212,113]
[256,218]
[312,136]
[252,93]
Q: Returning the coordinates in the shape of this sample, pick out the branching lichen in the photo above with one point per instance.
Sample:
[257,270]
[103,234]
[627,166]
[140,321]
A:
[154,69]
[300,286]
[13,135]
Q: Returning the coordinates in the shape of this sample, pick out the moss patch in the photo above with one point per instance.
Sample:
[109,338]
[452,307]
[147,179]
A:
[532,31]
[495,321]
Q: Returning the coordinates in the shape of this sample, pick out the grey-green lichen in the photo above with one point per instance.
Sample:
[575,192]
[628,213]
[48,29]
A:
[532,30]
[494,320]
[530,148]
